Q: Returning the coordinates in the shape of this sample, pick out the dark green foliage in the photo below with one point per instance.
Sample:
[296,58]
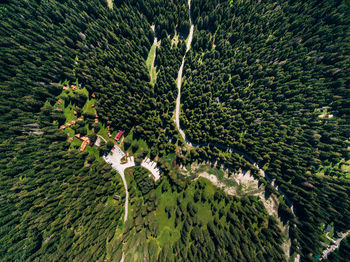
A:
[257,78]
[143,181]
[51,203]
[259,89]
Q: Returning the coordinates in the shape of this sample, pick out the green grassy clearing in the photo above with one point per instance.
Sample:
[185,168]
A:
[175,39]
[150,56]
[169,198]
[140,143]
[68,111]
[110,4]
[149,64]
[219,173]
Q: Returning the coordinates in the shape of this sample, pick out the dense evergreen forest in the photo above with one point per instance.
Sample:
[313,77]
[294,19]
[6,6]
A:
[197,223]
[269,78]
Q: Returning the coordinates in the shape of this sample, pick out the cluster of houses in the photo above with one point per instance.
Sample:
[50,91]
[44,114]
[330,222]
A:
[86,141]
[66,87]
[68,124]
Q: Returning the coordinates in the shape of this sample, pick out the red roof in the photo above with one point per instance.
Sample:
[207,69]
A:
[119,135]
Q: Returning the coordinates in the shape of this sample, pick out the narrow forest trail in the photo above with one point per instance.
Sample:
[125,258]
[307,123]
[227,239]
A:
[225,148]
[179,77]
[114,159]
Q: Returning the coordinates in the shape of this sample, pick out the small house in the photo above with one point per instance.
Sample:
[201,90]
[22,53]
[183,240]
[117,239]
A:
[65,87]
[96,120]
[83,145]
[93,95]
[80,119]
[68,124]
[70,139]
[108,127]
[119,135]
[62,127]
[74,122]
[59,102]
[116,197]
[75,112]
[109,134]
[73,87]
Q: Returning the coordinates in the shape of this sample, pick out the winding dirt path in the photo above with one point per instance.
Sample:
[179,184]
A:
[179,78]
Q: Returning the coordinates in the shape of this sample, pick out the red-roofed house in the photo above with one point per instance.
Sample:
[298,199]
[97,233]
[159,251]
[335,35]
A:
[119,135]
[73,87]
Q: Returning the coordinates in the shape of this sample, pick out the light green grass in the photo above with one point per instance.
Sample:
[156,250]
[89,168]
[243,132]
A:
[154,75]
[175,39]
[69,113]
[149,64]
[69,131]
[170,234]
[76,143]
[88,106]
[219,173]
[93,151]
[142,145]
[110,4]
[150,57]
